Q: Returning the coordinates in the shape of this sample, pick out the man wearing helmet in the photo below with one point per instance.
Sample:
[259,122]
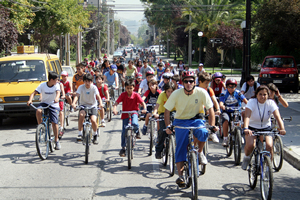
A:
[217,85]
[188,103]
[231,98]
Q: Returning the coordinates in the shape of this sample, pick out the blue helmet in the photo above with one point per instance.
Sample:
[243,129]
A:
[114,67]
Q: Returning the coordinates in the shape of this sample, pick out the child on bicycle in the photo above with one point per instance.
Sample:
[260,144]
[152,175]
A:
[67,86]
[130,70]
[160,109]
[137,82]
[78,77]
[217,84]
[104,94]
[150,97]
[130,102]
[231,98]
[160,71]
[89,95]
[50,92]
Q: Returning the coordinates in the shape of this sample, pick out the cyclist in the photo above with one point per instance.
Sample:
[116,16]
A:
[180,66]
[67,86]
[111,78]
[130,70]
[249,87]
[275,95]
[160,71]
[160,109]
[105,67]
[139,66]
[166,78]
[130,102]
[50,91]
[78,77]
[175,79]
[89,95]
[144,84]
[231,98]
[137,82]
[61,108]
[217,85]
[145,69]
[188,103]
[200,69]
[257,117]
[104,94]
[152,66]
[121,73]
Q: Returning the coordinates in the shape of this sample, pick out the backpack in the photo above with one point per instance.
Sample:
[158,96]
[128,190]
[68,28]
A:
[247,87]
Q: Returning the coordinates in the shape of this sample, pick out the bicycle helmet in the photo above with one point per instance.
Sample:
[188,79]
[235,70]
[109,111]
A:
[64,73]
[149,73]
[231,81]
[217,75]
[187,74]
[138,75]
[167,75]
[114,67]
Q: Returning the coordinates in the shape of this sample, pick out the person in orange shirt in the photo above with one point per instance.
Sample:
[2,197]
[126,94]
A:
[78,77]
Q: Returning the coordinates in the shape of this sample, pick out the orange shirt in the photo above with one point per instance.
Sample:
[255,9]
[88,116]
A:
[78,80]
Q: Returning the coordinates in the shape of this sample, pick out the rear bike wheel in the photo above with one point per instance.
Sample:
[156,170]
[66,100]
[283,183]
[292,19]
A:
[230,146]
[266,179]
[237,145]
[172,155]
[87,146]
[194,176]
[152,130]
[277,153]
[165,151]
[202,168]
[109,114]
[67,115]
[129,148]
[42,145]
[253,170]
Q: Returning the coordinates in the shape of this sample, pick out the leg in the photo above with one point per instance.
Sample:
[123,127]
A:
[61,118]
[225,128]
[102,114]
[134,121]
[179,166]
[55,131]
[123,136]
[147,118]
[250,144]
[269,145]
[94,122]
[69,99]
[81,119]
[39,116]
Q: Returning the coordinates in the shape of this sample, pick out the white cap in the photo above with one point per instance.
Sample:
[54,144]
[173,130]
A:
[200,64]
[64,73]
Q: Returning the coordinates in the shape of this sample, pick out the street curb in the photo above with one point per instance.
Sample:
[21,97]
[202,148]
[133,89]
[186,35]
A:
[291,157]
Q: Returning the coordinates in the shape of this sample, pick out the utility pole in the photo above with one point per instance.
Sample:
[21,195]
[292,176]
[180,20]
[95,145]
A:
[67,49]
[113,35]
[190,44]
[154,34]
[119,44]
[108,34]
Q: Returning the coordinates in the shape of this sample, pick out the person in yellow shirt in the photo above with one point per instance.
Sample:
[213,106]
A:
[187,102]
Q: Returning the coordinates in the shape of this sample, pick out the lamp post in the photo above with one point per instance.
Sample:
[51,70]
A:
[243,26]
[200,34]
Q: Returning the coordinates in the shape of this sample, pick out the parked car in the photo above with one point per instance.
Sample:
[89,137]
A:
[280,70]
[117,54]
[71,72]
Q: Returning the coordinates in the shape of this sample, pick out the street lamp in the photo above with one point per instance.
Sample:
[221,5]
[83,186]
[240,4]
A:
[200,34]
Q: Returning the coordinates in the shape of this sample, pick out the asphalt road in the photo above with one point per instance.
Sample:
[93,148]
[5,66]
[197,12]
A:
[65,176]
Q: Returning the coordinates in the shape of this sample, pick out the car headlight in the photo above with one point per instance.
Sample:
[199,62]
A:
[265,75]
[1,100]
[36,98]
[291,75]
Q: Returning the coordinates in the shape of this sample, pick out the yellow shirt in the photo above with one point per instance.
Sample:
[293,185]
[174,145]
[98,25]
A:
[162,99]
[187,106]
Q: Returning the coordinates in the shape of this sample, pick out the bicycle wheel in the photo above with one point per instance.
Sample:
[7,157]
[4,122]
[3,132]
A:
[186,174]
[277,153]
[237,145]
[87,146]
[67,115]
[230,146]
[266,179]
[202,168]
[129,146]
[165,151]
[253,170]
[42,145]
[194,176]
[51,139]
[152,130]
[109,114]
[172,155]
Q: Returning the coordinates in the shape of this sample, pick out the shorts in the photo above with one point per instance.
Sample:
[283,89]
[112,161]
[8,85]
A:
[149,109]
[225,117]
[53,113]
[61,105]
[121,77]
[182,139]
[91,112]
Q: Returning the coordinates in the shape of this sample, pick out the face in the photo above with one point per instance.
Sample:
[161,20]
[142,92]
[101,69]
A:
[53,81]
[204,84]
[99,81]
[175,82]
[149,77]
[262,96]
[217,81]
[90,68]
[88,83]
[79,70]
[97,73]
[200,67]
[152,86]
[272,94]
[145,64]
[189,83]
[64,78]
[166,80]
[250,82]
[139,79]
[167,70]
[169,92]
[231,88]
[129,89]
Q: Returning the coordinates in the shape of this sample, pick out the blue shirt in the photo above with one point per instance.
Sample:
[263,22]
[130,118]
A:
[234,100]
[110,79]
[159,73]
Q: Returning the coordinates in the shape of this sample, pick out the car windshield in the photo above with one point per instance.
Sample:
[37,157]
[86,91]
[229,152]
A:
[69,70]
[279,62]
[22,70]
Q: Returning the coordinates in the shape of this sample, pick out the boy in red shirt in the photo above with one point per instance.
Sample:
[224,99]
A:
[67,86]
[130,102]
[104,94]
[137,82]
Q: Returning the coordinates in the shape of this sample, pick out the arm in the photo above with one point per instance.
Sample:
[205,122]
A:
[115,108]
[145,108]
[211,116]
[281,99]
[100,101]
[155,110]
[280,122]
[75,100]
[167,120]
[71,88]
[56,100]
[245,100]
[246,121]
[222,106]
[117,82]
[74,87]
[107,94]
[215,102]
[31,97]
[62,91]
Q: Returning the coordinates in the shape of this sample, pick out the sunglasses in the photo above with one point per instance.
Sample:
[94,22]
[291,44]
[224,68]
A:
[188,81]
[231,87]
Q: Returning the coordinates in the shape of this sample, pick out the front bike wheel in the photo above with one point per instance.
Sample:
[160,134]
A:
[253,171]
[277,153]
[87,146]
[41,142]
[129,148]
[172,155]
[202,168]
[230,146]
[237,145]
[266,179]
[186,174]
[194,176]
[152,130]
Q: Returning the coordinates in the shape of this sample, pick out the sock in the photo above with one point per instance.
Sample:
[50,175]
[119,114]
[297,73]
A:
[94,132]
[61,128]
[103,120]
[225,138]
[79,132]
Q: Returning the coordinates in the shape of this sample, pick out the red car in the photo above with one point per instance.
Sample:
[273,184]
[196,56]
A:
[280,70]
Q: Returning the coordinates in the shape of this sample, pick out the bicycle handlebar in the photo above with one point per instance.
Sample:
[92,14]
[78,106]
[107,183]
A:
[128,112]
[41,107]
[265,133]
[189,127]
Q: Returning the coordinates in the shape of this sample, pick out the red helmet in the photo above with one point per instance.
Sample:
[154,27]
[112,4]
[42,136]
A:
[187,74]
[231,81]
[148,73]
[138,75]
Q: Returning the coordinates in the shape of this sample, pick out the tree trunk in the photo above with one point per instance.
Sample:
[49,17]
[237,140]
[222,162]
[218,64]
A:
[211,58]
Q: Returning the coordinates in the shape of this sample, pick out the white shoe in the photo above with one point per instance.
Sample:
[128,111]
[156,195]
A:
[225,142]
[214,137]
[203,160]
[243,140]
[246,162]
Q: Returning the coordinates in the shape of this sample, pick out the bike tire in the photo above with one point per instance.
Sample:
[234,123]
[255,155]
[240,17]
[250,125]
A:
[237,145]
[110,111]
[172,155]
[51,140]
[266,179]
[98,118]
[202,168]
[253,171]
[194,176]
[42,145]
[129,151]
[186,174]
[229,147]
[277,153]
[165,152]
[87,146]
[152,130]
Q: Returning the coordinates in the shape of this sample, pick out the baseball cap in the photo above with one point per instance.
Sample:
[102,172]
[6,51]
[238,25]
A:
[114,67]
[64,73]
[200,64]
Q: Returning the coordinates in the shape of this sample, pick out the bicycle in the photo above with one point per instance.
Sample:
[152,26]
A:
[260,164]
[191,168]
[235,134]
[107,105]
[44,138]
[67,110]
[87,132]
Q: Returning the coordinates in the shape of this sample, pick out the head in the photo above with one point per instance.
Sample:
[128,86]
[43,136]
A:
[169,88]
[145,62]
[130,63]
[99,79]
[250,80]
[139,63]
[224,78]
[204,79]
[152,84]
[175,79]
[52,78]
[273,90]
[118,63]
[217,77]
[129,86]
[150,62]
[262,93]
[200,67]
[180,62]
[167,70]
[80,67]
[88,80]
[138,77]
[160,66]
[149,75]
[188,79]
[64,76]
[90,68]
[115,59]
[166,77]
[97,72]
[113,69]
[186,68]
[231,85]
[106,63]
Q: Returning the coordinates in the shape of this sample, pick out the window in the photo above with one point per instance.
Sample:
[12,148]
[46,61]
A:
[53,67]
[58,66]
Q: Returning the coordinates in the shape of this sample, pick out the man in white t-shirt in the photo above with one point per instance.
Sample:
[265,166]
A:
[144,84]
[89,94]
[249,87]
[50,93]
[145,69]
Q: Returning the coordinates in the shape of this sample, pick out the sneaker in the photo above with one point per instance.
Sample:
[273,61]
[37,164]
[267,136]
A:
[180,182]
[158,155]
[243,140]
[225,142]
[122,153]
[138,135]
[57,145]
[103,124]
[61,133]
[79,138]
[95,139]
[202,159]
[214,137]
[246,162]
[71,109]
[144,130]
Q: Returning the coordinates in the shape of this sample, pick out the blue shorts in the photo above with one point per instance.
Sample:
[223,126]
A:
[53,113]
[182,139]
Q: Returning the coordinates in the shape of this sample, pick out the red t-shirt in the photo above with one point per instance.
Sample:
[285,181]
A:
[137,86]
[129,103]
[217,88]
[66,86]
[92,64]
[105,88]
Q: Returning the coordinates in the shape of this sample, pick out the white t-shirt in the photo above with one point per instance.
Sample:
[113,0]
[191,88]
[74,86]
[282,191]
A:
[250,91]
[261,112]
[88,96]
[48,93]
[144,86]
[144,70]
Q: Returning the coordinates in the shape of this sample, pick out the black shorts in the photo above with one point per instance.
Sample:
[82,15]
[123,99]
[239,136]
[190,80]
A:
[91,112]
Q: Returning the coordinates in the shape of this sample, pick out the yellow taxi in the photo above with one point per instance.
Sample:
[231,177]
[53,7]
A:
[20,75]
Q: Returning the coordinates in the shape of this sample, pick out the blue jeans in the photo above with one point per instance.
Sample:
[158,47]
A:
[134,122]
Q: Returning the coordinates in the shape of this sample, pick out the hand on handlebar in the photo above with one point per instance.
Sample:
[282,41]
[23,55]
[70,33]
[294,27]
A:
[156,116]
[29,102]
[248,132]
[282,132]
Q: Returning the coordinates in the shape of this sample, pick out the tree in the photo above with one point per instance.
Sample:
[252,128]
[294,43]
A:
[8,31]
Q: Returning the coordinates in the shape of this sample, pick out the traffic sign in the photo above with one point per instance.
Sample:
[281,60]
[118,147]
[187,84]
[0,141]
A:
[218,40]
